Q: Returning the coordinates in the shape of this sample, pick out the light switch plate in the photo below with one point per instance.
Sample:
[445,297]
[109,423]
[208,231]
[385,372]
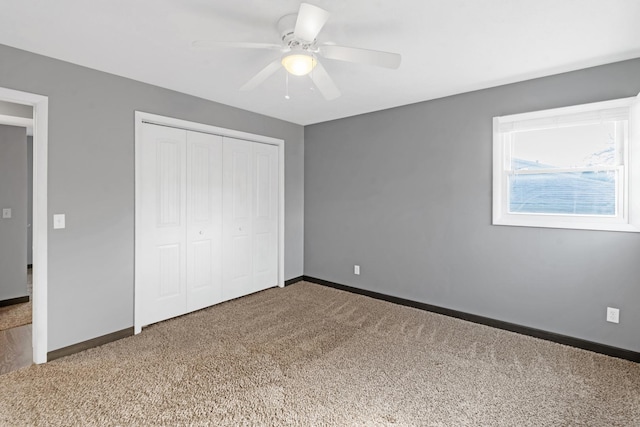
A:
[6,213]
[58,221]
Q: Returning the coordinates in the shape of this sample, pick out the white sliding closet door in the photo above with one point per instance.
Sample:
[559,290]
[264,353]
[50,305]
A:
[204,220]
[181,222]
[207,219]
[250,217]
[162,237]
[236,213]
[265,216]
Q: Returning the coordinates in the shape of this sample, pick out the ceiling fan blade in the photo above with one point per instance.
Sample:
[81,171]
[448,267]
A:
[262,75]
[324,83]
[361,56]
[209,44]
[310,21]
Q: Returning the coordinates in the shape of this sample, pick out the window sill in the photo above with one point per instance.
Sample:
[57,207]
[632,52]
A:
[571,223]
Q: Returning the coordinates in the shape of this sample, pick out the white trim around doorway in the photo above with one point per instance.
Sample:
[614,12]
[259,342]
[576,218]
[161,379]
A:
[40,106]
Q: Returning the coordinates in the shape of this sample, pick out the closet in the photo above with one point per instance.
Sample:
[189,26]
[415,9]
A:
[207,218]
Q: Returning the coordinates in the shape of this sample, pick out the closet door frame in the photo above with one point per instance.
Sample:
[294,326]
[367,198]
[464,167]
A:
[143,117]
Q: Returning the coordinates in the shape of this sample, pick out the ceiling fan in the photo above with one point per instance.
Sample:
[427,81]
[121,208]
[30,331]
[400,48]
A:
[301,52]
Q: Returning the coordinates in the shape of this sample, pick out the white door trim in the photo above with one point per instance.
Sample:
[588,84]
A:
[142,117]
[40,106]
[18,121]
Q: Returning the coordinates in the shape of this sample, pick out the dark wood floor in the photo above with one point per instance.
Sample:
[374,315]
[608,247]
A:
[15,349]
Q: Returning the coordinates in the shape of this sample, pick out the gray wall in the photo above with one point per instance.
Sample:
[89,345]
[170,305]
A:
[91,179]
[13,195]
[406,194]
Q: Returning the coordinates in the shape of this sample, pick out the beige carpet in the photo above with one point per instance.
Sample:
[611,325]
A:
[15,315]
[311,356]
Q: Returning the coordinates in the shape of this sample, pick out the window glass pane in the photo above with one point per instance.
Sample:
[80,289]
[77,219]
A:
[585,145]
[580,193]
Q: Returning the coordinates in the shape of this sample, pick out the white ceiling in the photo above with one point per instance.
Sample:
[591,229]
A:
[447,46]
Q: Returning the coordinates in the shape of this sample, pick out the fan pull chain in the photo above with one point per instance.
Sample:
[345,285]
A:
[286,87]
[311,76]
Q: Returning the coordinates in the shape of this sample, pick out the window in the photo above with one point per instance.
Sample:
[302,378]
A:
[569,167]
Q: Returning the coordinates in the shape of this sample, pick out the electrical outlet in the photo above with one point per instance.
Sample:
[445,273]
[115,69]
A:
[356,269]
[6,213]
[613,315]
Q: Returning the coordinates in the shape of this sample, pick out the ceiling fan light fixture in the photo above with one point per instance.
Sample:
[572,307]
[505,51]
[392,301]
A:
[299,63]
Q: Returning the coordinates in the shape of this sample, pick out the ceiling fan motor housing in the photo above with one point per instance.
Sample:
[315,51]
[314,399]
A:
[286,27]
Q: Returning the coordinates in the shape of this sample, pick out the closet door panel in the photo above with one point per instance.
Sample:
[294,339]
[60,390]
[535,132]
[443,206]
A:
[265,216]
[237,218]
[207,220]
[162,208]
[204,220]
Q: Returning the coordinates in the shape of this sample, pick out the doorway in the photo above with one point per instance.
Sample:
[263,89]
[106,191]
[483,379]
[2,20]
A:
[15,296]
[39,104]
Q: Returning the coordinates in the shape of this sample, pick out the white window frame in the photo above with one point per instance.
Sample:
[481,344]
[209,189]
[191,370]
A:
[627,216]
